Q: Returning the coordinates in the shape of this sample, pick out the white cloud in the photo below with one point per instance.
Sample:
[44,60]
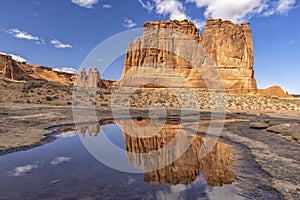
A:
[237,11]
[59,160]
[173,8]
[242,10]
[68,134]
[66,69]
[285,5]
[128,23]
[85,3]
[22,34]
[148,6]
[199,23]
[106,6]
[23,170]
[60,45]
[15,57]
[17,33]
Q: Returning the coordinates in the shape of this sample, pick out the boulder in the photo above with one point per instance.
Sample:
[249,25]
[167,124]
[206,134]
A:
[259,125]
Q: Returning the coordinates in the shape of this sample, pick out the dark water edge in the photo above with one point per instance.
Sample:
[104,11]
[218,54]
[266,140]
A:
[254,182]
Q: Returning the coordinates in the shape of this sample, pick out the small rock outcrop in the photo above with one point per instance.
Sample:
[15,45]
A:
[89,80]
[227,45]
[92,79]
[275,91]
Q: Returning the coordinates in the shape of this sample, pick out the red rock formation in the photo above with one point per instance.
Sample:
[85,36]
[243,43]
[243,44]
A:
[92,80]
[274,91]
[228,45]
[24,72]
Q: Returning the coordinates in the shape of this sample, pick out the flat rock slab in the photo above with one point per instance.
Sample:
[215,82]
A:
[259,125]
[287,129]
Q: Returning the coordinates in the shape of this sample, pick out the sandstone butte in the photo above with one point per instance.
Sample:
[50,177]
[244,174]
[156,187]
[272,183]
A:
[223,45]
[166,56]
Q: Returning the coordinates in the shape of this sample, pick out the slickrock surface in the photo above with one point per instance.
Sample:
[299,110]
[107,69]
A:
[179,46]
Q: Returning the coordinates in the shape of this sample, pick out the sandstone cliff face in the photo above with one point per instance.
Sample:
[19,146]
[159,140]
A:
[24,72]
[166,44]
[230,47]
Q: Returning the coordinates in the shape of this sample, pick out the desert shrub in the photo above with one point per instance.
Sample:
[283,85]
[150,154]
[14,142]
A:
[107,92]
[48,98]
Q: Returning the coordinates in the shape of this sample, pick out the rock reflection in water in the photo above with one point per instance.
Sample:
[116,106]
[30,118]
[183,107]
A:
[90,130]
[216,166]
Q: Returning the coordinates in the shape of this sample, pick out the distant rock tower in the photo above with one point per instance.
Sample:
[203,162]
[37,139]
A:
[90,80]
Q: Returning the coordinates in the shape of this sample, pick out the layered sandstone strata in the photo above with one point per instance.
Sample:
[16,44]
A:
[173,53]
[230,47]
[21,71]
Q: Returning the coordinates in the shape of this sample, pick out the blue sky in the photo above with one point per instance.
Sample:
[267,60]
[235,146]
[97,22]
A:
[61,33]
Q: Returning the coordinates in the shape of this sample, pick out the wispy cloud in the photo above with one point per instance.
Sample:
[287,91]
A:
[60,45]
[85,3]
[59,160]
[22,34]
[107,6]
[17,58]
[284,6]
[17,33]
[128,23]
[147,5]
[69,70]
[292,42]
[23,170]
